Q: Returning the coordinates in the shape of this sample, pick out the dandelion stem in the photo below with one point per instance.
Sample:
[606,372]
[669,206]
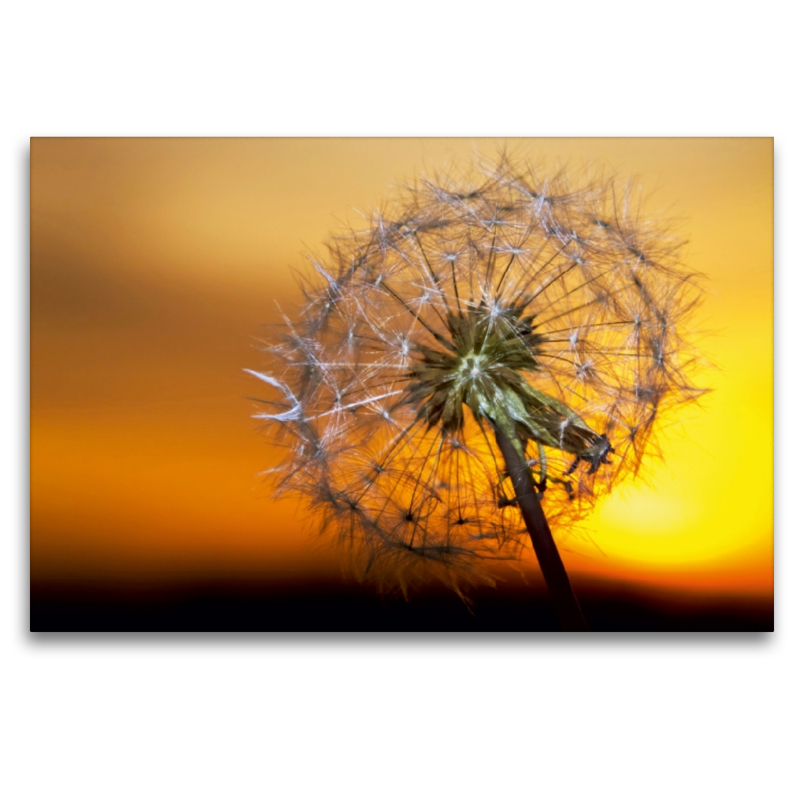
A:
[555,575]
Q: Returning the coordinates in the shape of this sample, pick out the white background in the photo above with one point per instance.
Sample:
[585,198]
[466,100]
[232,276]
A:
[672,716]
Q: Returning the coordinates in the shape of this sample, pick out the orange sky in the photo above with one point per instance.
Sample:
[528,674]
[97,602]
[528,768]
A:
[155,264]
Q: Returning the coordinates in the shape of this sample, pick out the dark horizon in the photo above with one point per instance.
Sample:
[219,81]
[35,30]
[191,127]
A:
[327,604]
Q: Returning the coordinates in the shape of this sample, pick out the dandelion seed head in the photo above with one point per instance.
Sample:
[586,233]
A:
[499,292]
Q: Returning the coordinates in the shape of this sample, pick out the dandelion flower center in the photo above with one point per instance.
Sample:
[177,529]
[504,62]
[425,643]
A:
[486,353]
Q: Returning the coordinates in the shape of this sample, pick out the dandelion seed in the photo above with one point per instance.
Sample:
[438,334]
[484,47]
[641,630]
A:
[485,358]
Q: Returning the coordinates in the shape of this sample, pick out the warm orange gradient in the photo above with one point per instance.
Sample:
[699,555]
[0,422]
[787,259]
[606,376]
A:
[156,264]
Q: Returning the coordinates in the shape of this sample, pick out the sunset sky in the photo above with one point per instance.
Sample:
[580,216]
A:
[158,264]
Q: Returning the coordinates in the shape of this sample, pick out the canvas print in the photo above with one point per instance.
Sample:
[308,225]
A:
[346,385]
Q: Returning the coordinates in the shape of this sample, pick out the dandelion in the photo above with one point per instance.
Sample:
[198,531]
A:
[490,355]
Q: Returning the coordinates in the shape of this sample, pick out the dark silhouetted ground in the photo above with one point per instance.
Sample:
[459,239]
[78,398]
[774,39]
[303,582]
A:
[332,606]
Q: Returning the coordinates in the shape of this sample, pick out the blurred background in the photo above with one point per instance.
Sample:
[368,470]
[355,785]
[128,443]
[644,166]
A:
[157,265]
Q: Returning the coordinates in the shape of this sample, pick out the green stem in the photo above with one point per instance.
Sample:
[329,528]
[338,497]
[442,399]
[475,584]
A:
[555,575]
